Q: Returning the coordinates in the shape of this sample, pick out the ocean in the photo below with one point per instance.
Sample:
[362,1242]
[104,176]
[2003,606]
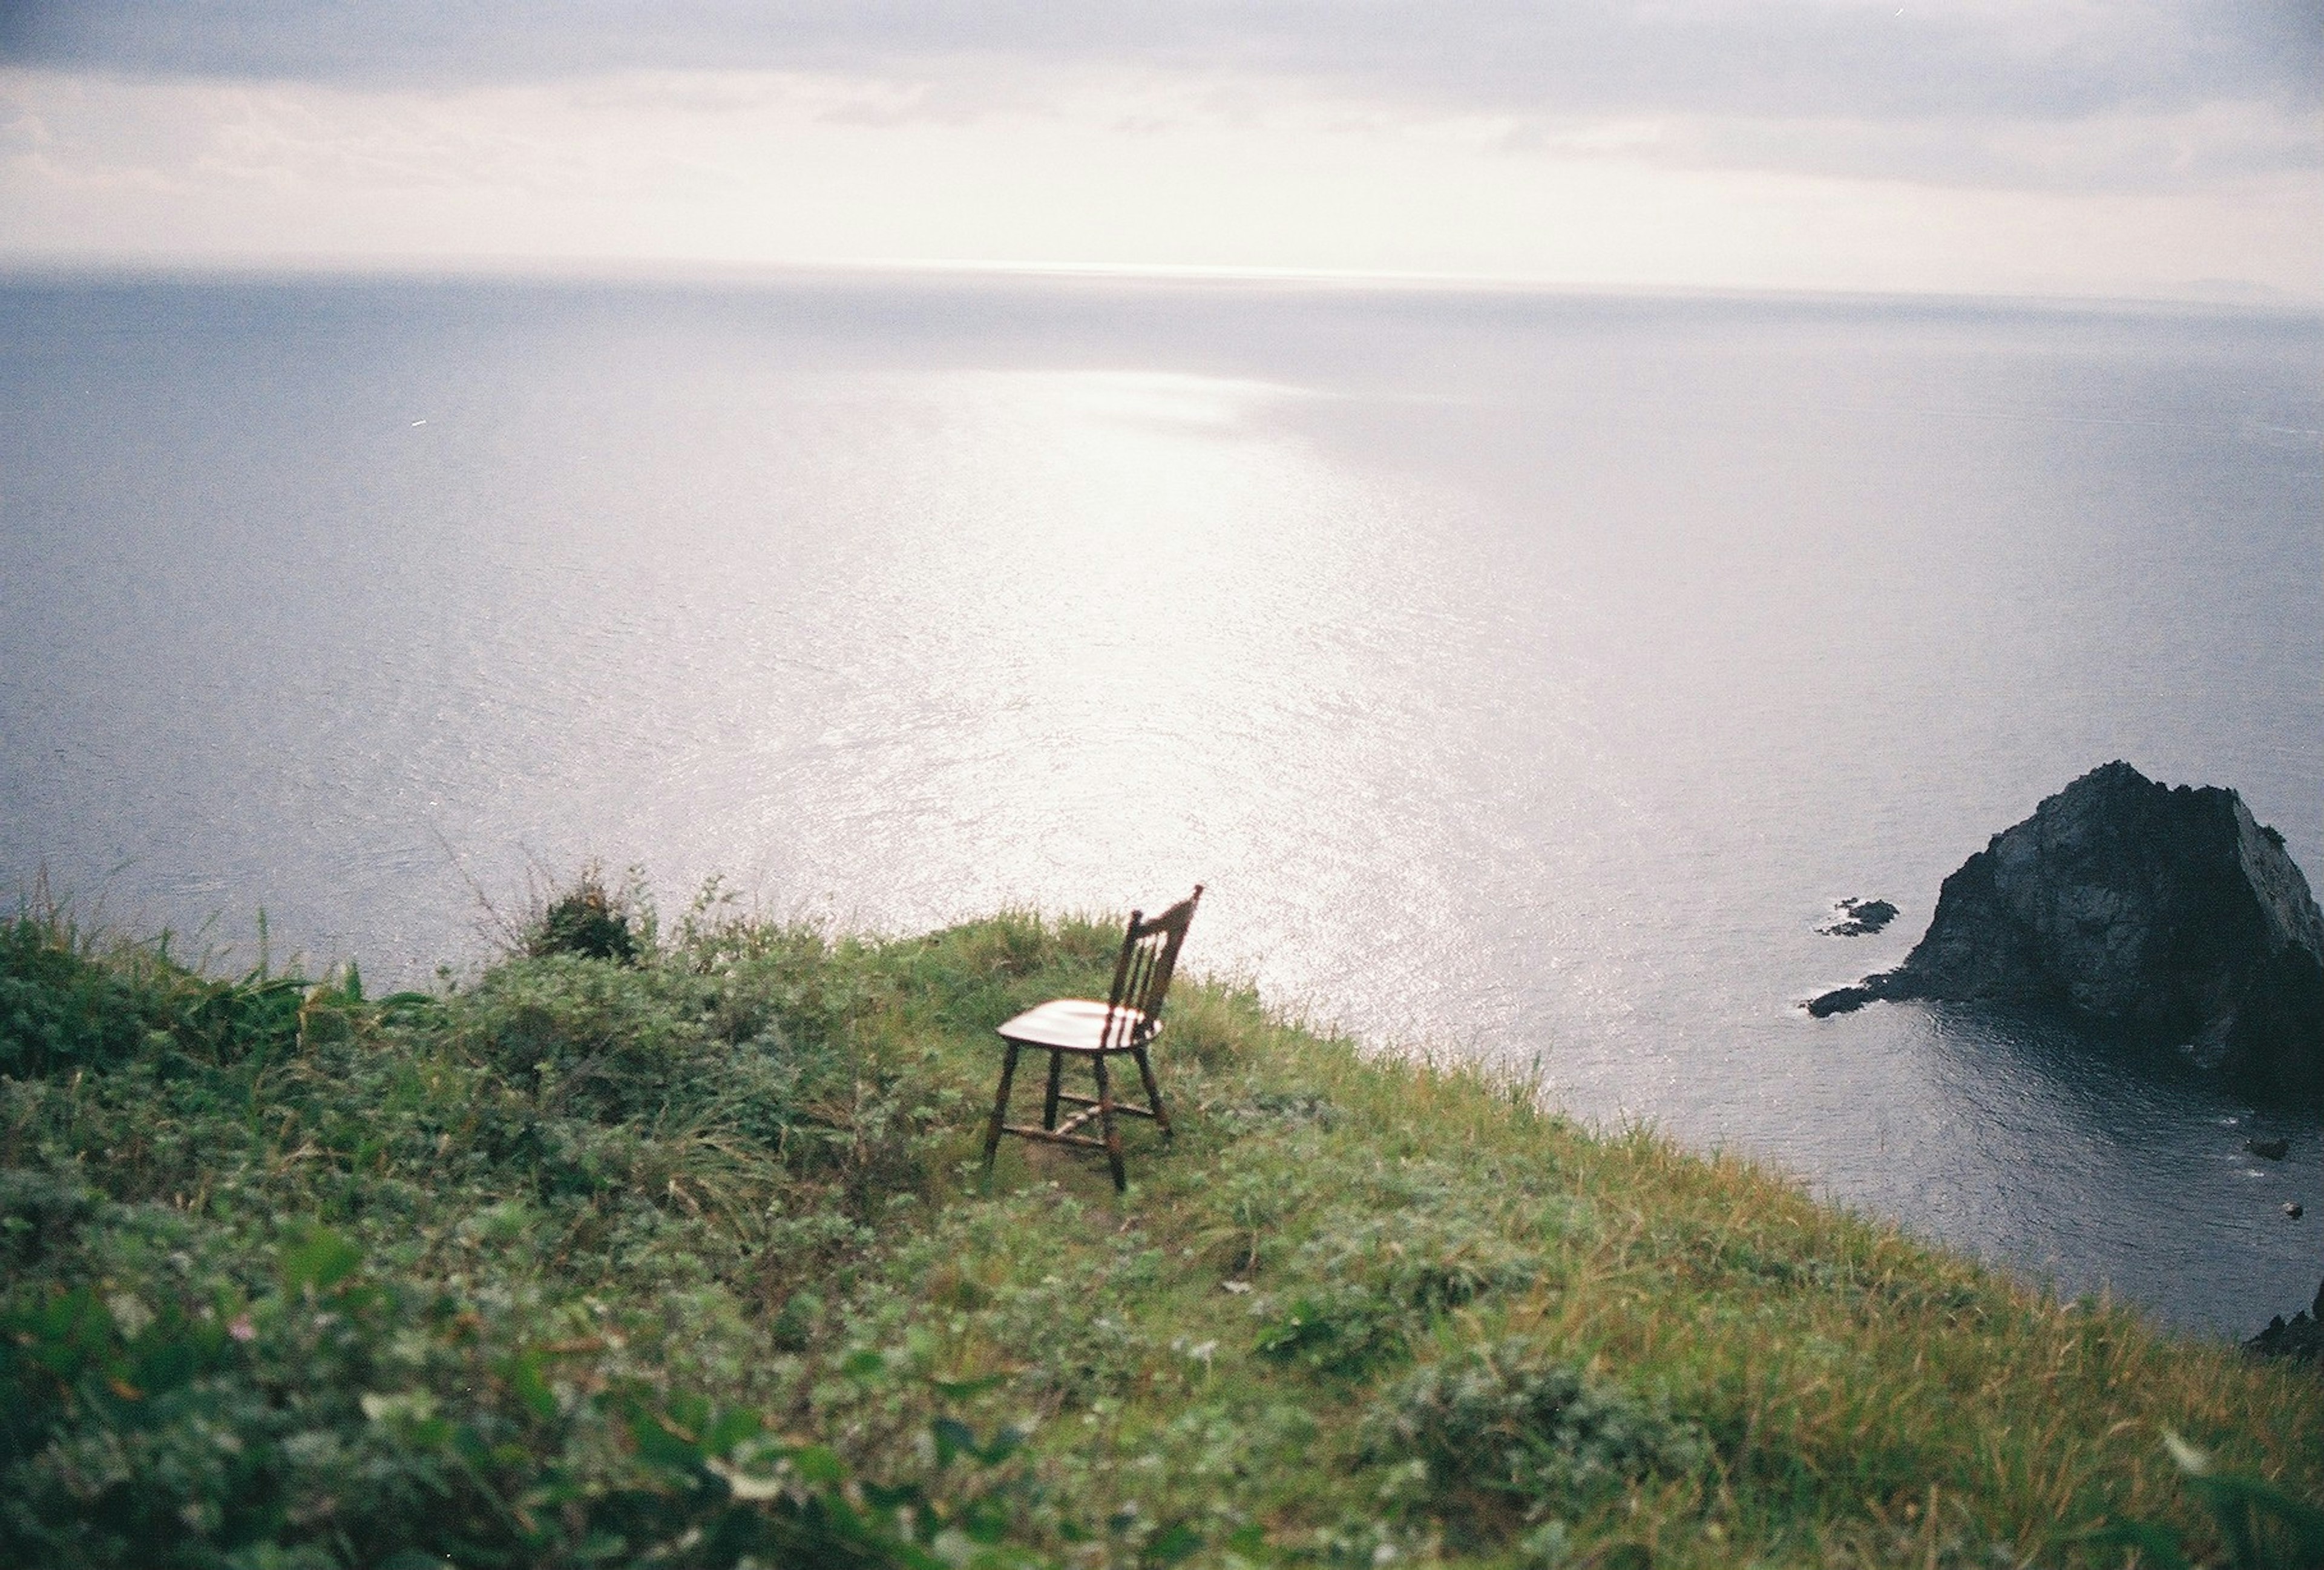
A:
[1524,674]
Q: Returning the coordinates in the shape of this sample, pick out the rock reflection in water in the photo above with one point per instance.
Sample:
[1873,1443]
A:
[2025,1140]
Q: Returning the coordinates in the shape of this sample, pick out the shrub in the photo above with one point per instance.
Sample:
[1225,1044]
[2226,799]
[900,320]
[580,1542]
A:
[1368,1283]
[585,1038]
[1503,1420]
[342,1416]
[40,1212]
[589,920]
[1341,1330]
[70,1001]
[62,1008]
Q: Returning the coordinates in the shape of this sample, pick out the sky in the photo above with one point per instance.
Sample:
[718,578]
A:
[2082,147]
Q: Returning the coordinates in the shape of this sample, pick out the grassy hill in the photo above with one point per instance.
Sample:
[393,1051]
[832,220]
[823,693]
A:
[684,1258]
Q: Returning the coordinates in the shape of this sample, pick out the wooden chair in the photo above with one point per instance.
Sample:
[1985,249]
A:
[1127,1021]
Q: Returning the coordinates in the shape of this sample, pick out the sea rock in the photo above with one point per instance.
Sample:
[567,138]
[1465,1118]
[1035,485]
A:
[1858,917]
[2161,915]
[2302,1337]
[1848,1000]
[2269,1149]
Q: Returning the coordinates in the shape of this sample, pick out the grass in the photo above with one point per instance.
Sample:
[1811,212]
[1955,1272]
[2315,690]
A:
[689,1261]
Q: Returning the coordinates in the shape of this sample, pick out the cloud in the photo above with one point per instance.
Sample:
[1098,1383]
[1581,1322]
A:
[1826,143]
[1859,60]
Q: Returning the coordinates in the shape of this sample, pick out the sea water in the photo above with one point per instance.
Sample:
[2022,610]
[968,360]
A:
[1524,674]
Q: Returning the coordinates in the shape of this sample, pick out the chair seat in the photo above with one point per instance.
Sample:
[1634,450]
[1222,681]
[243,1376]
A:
[1074,1025]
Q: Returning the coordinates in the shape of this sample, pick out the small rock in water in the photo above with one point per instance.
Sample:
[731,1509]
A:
[1843,1001]
[1858,918]
[2268,1150]
[2293,1210]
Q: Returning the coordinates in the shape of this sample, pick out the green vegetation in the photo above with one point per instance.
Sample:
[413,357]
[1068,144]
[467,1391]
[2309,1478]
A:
[676,1251]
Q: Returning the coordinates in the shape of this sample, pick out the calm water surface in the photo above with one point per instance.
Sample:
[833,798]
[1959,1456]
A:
[1524,675]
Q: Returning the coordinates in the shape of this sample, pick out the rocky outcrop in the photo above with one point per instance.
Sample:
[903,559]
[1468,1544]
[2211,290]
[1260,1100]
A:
[2161,915]
[2302,1336]
[1848,1000]
[1858,918]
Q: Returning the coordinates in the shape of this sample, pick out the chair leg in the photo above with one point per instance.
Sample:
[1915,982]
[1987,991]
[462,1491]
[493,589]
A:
[1049,1107]
[1153,1091]
[1105,1118]
[999,1108]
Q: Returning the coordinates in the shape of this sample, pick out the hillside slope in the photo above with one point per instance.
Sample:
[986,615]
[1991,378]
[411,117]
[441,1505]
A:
[687,1260]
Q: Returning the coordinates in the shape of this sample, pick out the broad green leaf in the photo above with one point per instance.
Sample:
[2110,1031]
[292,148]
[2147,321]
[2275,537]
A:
[953,1437]
[527,1382]
[321,1259]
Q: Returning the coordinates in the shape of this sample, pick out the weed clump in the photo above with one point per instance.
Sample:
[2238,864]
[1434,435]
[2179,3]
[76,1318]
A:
[1373,1286]
[61,1007]
[590,921]
[73,1001]
[1502,1419]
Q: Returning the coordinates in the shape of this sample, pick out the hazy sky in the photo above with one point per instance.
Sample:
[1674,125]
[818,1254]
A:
[2087,146]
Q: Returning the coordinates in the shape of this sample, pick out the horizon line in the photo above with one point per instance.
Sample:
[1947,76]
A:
[32,266]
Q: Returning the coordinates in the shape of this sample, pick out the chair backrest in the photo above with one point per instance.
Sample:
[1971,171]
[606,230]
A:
[1142,975]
